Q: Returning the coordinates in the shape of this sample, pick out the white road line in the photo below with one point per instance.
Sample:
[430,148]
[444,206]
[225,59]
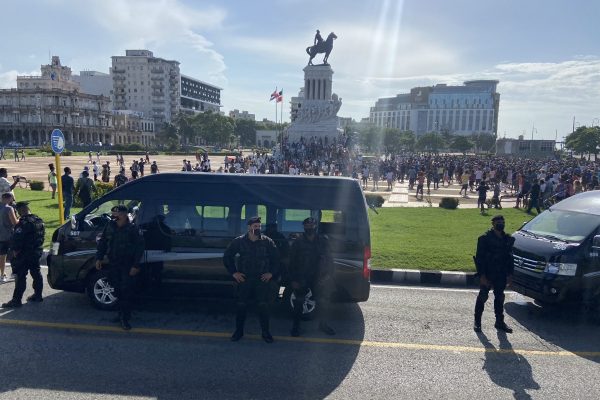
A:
[433,289]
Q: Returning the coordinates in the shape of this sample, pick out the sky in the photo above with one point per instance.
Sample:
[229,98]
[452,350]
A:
[545,53]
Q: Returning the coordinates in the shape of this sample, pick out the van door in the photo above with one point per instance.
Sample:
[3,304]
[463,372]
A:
[79,247]
[185,241]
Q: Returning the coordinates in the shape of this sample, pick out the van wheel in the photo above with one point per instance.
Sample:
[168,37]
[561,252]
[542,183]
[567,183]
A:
[309,306]
[100,291]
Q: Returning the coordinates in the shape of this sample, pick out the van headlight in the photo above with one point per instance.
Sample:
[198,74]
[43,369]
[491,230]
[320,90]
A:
[565,269]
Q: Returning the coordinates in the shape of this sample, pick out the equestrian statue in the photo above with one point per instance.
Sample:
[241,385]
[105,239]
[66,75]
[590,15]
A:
[321,46]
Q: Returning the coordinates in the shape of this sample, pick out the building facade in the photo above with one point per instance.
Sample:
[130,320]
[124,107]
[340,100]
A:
[237,114]
[95,82]
[461,110]
[147,84]
[199,96]
[39,104]
[132,127]
[522,147]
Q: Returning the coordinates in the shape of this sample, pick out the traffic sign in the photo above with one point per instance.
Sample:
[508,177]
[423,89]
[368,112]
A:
[57,141]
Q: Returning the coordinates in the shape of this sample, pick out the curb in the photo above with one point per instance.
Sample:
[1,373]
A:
[425,278]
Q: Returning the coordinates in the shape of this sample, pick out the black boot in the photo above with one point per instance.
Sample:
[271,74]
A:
[12,304]
[295,332]
[264,323]
[477,323]
[35,298]
[125,323]
[501,326]
[240,320]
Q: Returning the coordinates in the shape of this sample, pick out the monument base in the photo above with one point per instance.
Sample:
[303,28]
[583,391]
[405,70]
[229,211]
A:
[322,129]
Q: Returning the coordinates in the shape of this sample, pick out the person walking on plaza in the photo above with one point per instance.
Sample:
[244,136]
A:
[494,263]
[154,168]
[26,245]
[8,220]
[482,197]
[534,197]
[120,178]
[258,264]
[123,243]
[16,154]
[83,189]
[311,267]
[106,172]
[2,155]
[52,179]
[68,187]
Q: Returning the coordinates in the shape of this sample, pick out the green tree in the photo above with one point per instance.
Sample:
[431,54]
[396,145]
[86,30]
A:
[370,137]
[408,141]
[461,143]
[484,142]
[431,142]
[167,136]
[392,140]
[245,130]
[584,140]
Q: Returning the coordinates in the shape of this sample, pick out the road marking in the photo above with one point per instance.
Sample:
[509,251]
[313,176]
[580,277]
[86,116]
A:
[348,342]
[433,289]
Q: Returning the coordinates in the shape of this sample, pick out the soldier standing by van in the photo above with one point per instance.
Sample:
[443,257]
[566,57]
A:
[257,266]
[494,262]
[310,270]
[124,244]
[26,245]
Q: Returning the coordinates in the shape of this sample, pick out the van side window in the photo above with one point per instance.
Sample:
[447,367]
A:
[190,219]
[252,210]
[99,217]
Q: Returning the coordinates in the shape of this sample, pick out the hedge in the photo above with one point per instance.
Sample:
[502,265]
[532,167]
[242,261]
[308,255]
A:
[449,203]
[101,189]
[375,200]
[36,185]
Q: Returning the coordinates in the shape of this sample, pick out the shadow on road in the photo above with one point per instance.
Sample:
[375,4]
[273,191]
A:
[566,327]
[507,368]
[172,367]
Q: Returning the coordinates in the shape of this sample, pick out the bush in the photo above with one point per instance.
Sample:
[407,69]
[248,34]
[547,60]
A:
[375,200]
[101,189]
[36,185]
[449,203]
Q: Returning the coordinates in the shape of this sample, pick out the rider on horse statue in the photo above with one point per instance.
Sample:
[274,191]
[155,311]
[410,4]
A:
[321,46]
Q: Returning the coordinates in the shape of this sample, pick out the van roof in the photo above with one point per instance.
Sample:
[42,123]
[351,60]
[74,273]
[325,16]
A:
[587,202]
[243,178]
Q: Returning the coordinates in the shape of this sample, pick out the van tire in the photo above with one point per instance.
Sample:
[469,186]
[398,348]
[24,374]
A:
[289,304]
[100,291]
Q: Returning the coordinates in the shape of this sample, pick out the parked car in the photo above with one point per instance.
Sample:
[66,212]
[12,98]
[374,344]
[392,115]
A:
[189,219]
[557,254]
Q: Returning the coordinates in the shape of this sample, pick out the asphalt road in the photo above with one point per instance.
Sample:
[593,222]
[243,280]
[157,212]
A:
[405,342]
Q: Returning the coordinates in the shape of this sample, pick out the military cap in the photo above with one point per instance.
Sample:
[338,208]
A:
[309,220]
[120,208]
[21,204]
[254,220]
[497,218]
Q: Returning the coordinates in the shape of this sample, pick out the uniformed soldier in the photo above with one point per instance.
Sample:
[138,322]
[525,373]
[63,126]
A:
[26,245]
[494,262]
[258,264]
[311,267]
[124,244]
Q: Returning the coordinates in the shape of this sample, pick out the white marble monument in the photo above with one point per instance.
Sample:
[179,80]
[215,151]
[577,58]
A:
[317,111]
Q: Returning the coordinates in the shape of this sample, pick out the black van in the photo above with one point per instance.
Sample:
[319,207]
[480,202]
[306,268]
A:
[188,219]
[557,254]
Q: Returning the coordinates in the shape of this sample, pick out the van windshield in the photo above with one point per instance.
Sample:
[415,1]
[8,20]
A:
[563,225]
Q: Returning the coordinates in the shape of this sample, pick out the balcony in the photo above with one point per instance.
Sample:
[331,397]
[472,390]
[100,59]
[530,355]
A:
[118,77]
[118,71]
[157,70]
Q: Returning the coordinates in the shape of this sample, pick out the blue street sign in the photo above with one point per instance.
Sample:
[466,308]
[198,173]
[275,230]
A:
[57,141]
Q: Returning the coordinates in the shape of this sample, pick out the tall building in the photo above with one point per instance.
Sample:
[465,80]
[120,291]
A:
[147,84]
[95,82]
[39,104]
[199,96]
[462,110]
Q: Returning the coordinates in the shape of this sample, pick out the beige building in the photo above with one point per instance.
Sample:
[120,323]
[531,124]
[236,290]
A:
[237,114]
[39,104]
[147,84]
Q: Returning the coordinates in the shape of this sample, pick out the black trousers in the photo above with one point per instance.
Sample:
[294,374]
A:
[22,266]
[253,289]
[534,202]
[124,285]
[321,290]
[498,285]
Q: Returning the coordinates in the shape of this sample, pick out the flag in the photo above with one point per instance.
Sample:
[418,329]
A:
[280,96]
[274,95]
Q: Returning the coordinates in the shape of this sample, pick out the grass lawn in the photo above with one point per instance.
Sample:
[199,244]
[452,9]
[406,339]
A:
[413,238]
[432,238]
[41,204]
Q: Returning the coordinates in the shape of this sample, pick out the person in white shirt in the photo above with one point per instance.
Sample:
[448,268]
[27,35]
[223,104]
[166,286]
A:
[5,185]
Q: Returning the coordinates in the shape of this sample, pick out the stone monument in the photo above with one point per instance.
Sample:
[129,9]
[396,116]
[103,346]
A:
[317,111]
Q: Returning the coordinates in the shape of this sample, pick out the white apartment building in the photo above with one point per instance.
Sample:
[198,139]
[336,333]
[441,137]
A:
[95,82]
[462,110]
[237,114]
[147,84]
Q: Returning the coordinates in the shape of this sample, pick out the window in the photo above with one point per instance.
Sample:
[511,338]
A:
[547,146]
[99,217]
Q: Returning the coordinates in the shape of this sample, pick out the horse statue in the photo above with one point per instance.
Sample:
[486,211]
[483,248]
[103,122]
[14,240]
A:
[322,47]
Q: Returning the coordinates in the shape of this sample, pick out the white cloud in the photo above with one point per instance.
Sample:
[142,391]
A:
[162,24]
[8,79]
